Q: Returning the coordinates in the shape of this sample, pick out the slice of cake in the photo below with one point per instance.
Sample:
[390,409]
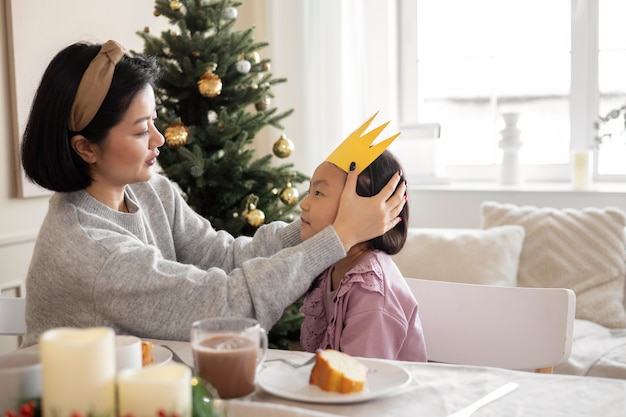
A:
[146,353]
[337,371]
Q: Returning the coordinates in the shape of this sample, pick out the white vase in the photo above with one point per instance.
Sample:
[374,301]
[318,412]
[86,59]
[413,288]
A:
[510,171]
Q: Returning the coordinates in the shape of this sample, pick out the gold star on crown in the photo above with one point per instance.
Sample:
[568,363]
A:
[358,147]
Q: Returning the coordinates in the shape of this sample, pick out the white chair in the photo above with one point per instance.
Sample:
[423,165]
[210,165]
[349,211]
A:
[505,327]
[12,316]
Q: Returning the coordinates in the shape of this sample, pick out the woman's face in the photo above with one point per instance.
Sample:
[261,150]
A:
[319,207]
[129,153]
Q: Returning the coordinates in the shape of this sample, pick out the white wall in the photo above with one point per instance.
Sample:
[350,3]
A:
[19,218]
[458,206]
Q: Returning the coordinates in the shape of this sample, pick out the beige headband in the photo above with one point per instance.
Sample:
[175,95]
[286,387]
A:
[94,85]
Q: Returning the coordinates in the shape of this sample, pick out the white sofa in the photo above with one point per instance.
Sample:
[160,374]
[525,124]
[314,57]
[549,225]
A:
[584,250]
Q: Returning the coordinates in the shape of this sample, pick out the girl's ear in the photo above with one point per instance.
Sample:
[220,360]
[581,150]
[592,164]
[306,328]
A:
[85,149]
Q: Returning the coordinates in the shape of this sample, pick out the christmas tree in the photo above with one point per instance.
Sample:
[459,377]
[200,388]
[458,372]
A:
[214,97]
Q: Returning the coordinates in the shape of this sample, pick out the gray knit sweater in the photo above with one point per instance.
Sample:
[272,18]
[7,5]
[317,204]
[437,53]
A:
[155,270]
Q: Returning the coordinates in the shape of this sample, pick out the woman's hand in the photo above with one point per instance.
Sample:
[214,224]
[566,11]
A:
[360,219]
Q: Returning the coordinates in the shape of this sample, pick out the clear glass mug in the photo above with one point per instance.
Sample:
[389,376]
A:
[228,353]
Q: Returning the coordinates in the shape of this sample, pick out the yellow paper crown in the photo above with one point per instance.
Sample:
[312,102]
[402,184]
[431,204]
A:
[358,147]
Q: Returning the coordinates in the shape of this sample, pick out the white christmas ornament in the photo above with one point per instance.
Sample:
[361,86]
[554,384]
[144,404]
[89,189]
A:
[243,66]
[211,116]
[230,13]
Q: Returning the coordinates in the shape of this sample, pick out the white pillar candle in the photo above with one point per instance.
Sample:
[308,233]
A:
[78,371]
[149,391]
[582,169]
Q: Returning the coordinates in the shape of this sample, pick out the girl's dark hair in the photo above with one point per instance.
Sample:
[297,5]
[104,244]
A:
[47,154]
[371,180]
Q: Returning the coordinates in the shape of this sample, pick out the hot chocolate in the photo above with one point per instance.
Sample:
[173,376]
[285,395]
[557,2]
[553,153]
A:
[228,362]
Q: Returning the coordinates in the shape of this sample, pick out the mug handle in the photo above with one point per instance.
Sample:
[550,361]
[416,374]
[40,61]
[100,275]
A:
[264,344]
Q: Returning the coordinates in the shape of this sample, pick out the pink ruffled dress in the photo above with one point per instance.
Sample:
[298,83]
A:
[371,314]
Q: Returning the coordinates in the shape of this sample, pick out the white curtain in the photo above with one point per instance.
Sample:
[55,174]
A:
[340,60]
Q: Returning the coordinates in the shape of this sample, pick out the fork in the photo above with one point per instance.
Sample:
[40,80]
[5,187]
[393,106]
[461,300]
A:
[492,396]
[292,363]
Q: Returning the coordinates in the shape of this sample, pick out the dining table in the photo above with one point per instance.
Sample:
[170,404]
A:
[436,389]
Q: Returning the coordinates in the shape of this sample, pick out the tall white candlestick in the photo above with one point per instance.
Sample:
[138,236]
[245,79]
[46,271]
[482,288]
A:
[78,372]
[147,392]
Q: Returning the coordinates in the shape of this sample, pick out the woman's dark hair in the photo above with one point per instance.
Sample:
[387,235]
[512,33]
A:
[47,154]
[371,180]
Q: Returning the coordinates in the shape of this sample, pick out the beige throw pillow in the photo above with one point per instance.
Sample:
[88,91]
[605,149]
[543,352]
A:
[583,250]
[463,255]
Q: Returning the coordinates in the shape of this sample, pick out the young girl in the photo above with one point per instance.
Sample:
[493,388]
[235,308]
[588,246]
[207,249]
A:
[361,305]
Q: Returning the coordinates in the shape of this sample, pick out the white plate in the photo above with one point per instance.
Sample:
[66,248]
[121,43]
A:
[161,355]
[284,381]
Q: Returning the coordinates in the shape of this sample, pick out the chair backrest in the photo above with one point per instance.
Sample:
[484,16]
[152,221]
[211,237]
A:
[504,327]
[12,316]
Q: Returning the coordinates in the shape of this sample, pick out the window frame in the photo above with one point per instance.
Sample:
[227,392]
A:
[584,93]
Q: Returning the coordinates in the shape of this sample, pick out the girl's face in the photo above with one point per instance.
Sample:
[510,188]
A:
[319,207]
[129,152]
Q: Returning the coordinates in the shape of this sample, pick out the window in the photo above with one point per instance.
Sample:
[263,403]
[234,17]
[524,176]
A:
[559,64]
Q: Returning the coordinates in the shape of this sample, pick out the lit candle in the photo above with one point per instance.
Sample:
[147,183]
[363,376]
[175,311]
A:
[150,391]
[78,371]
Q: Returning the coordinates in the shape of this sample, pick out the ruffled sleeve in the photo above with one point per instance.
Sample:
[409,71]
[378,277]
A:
[314,325]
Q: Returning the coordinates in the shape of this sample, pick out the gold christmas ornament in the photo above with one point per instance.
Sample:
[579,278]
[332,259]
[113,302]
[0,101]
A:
[253,57]
[176,135]
[266,66]
[263,105]
[283,147]
[253,215]
[175,5]
[195,54]
[156,13]
[210,85]
[146,29]
[289,195]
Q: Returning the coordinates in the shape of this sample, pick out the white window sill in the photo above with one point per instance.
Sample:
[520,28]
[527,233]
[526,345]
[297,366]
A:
[530,187]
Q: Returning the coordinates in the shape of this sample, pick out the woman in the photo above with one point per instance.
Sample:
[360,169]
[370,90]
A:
[119,247]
